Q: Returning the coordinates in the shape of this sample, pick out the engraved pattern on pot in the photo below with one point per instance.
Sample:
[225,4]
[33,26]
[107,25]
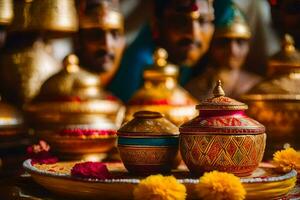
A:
[239,154]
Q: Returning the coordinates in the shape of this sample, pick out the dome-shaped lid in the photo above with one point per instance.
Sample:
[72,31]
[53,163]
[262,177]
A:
[71,82]
[220,102]
[287,59]
[285,87]
[147,123]
[222,115]
[9,117]
[161,67]
[285,80]
[73,90]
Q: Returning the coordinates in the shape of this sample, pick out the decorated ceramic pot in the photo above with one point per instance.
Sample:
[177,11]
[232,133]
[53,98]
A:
[162,93]
[275,101]
[73,114]
[148,143]
[222,137]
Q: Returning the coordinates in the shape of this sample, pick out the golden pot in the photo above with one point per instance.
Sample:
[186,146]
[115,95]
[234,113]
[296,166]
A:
[23,69]
[73,114]
[148,143]
[46,15]
[161,93]
[6,12]
[275,102]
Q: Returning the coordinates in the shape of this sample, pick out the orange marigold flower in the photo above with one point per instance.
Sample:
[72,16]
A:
[220,186]
[286,160]
[159,187]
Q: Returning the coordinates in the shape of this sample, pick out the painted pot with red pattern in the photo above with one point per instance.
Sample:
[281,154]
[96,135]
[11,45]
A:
[148,143]
[222,137]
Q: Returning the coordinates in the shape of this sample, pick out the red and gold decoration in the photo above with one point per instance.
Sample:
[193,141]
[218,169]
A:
[73,114]
[222,137]
[161,92]
[275,101]
[148,143]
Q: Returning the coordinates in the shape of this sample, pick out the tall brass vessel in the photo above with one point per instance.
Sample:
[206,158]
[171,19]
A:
[27,60]
[24,69]
[275,102]
[54,15]
[6,12]
[161,93]
[44,16]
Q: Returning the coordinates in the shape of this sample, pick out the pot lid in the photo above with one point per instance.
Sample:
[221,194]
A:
[148,123]
[73,90]
[220,102]
[161,68]
[9,116]
[283,84]
[71,82]
[288,57]
[284,87]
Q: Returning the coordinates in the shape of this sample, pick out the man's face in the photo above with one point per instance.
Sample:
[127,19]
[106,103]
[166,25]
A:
[186,36]
[229,52]
[101,49]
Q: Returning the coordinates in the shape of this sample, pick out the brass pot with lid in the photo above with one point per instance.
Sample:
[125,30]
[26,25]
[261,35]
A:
[73,113]
[276,101]
[161,92]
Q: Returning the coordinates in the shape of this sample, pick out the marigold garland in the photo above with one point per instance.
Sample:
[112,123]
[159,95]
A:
[220,186]
[286,160]
[158,187]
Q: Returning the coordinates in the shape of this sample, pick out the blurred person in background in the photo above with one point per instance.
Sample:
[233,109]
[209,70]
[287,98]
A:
[101,41]
[183,27]
[227,55]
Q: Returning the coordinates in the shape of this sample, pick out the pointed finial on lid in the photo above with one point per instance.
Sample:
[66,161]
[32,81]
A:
[160,57]
[288,43]
[218,90]
[71,63]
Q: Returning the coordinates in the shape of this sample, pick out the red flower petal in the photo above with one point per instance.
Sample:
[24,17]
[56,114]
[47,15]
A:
[96,170]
